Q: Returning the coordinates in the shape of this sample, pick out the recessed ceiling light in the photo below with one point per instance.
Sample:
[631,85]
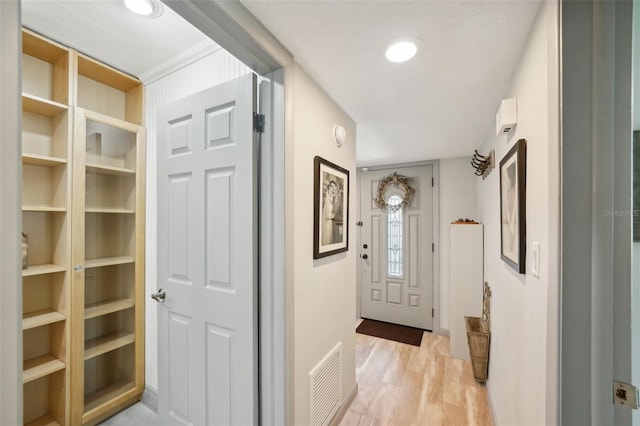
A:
[141,7]
[401,51]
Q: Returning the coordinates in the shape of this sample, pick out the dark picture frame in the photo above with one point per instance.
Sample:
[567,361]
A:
[513,209]
[330,208]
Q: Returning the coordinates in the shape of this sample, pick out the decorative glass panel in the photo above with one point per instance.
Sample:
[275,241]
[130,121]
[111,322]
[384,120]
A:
[395,253]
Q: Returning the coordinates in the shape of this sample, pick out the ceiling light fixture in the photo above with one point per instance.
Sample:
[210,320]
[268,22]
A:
[401,51]
[140,7]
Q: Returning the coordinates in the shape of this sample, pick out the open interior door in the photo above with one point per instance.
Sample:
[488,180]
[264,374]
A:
[207,257]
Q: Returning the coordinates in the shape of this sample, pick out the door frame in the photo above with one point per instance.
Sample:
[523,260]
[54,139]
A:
[596,176]
[436,237]
[234,28]
[271,258]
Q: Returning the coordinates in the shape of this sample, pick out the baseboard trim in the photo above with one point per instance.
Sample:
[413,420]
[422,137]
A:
[345,406]
[150,399]
[441,332]
[491,405]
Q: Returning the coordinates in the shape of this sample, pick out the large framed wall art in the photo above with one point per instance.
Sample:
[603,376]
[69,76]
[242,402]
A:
[331,208]
[513,195]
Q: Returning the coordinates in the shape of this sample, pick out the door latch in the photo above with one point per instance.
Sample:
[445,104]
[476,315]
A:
[625,395]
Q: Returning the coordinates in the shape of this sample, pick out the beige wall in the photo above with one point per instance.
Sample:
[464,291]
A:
[524,343]
[457,200]
[320,293]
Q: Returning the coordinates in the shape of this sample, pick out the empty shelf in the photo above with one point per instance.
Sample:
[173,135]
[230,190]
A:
[108,261]
[41,366]
[42,160]
[42,106]
[100,210]
[42,269]
[43,209]
[109,170]
[102,308]
[106,394]
[46,420]
[107,343]
[39,318]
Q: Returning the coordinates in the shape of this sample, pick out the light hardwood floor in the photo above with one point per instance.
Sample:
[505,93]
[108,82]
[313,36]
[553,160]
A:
[407,385]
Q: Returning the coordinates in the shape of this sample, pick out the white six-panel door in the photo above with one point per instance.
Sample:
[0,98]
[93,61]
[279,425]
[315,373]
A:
[397,262]
[207,257]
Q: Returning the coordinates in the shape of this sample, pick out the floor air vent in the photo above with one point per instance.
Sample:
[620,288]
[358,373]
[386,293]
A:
[326,387]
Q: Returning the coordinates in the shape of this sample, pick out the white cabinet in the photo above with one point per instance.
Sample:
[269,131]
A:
[466,276]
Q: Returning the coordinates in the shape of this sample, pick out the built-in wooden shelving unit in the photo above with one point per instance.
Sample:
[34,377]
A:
[83,171]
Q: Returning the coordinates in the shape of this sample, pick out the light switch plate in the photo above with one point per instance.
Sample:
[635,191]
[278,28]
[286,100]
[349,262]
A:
[535,260]
[625,395]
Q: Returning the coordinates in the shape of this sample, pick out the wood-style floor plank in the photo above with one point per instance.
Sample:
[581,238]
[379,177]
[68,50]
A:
[407,385]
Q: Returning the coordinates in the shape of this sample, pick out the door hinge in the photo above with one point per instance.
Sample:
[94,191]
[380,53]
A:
[625,395]
[432,182]
[433,247]
[433,313]
[258,122]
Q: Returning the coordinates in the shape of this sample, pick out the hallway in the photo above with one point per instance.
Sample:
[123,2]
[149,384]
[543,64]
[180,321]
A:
[407,385]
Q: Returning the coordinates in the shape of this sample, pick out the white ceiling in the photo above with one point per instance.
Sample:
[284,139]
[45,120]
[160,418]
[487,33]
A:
[106,30]
[441,103]
[438,105]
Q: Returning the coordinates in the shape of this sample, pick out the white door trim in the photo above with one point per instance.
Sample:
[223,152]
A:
[233,27]
[10,214]
[272,249]
[596,178]
[436,238]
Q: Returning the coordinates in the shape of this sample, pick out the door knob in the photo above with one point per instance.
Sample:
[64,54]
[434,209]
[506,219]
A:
[159,295]
[364,256]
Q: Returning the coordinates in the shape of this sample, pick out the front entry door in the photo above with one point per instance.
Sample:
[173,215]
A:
[207,258]
[396,251]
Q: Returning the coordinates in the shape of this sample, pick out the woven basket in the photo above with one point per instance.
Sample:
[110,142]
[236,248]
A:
[478,338]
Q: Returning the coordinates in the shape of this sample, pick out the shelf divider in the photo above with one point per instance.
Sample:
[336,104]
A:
[114,211]
[40,318]
[107,307]
[107,343]
[41,366]
[41,106]
[101,396]
[108,261]
[42,160]
[42,269]
[43,209]
[109,170]
[46,420]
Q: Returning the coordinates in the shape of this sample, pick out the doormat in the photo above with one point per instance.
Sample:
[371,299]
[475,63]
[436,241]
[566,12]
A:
[395,332]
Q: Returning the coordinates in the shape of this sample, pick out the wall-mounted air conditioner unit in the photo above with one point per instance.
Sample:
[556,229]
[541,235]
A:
[507,116]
